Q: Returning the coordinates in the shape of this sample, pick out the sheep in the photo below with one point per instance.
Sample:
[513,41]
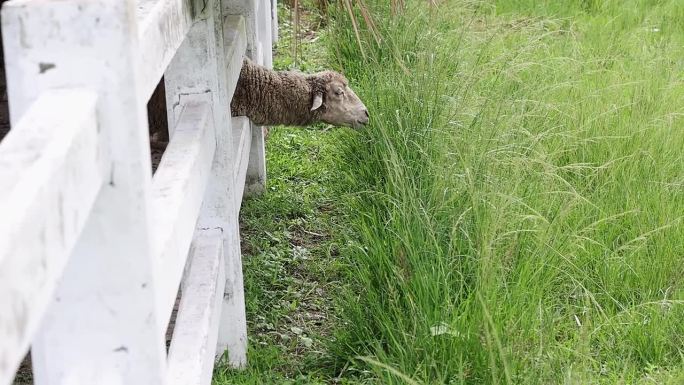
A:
[270,98]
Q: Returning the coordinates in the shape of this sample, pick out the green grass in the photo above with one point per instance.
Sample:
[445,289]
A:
[291,262]
[292,240]
[513,214]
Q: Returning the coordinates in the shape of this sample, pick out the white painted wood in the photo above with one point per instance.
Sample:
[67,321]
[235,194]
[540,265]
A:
[219,211]
[259,53]
[163,25]
[178,188]
[184,83]
[256,172]
[50,174]
[191,355]
[274,21]
[248,10]
[257,15]
[187,77]
[235,42]
[265,33]
[199,71]
[101,326]
[75,176]
[255,181]
[242,139]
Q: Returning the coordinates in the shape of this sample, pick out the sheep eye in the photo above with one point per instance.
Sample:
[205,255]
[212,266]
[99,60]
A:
[339,92]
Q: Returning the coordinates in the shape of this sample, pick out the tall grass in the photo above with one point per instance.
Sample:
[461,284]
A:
[518,198]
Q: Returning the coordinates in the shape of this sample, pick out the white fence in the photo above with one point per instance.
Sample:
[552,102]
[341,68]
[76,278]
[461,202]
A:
[93,248]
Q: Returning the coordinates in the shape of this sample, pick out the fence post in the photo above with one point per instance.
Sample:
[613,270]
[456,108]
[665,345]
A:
[256,14]
[263,35]
[265,32]
[274,21]
[101,327]
[199,71]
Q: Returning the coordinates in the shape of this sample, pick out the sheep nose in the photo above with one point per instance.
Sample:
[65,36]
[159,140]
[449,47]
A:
[364,120]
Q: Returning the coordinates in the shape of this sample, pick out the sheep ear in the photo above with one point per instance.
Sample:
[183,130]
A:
[317,102]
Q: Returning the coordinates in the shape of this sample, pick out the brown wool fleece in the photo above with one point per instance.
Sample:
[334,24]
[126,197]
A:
[272,98]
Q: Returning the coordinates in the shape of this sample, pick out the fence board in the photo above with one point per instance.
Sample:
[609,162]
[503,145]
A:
[265,32]
[242,139]
[178,188]
[274,21]
[92,247]
[162,26]
[191,355]
[50,174]
[101,326]
[248,10]
[235,42]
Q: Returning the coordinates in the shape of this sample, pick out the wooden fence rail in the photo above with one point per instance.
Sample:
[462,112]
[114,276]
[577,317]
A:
[93,247]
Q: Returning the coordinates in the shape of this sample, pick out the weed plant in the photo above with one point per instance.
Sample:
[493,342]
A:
[516,203]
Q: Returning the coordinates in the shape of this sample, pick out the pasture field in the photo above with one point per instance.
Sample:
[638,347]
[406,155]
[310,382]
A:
[512,215]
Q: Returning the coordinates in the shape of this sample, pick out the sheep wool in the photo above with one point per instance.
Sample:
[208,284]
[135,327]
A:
[270,97]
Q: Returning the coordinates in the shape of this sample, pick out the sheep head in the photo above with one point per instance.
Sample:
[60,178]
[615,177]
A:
[336,102]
